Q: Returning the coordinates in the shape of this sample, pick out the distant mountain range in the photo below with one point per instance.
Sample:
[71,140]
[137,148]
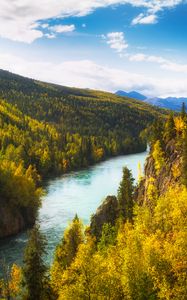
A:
[172,103]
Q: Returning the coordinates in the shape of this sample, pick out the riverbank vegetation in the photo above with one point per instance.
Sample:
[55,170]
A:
[139,251]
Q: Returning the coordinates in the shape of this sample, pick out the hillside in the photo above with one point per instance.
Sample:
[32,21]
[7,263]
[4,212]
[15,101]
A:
[47,130]
[87,126]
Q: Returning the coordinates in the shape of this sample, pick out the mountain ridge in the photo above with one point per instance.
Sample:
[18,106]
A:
[172,103]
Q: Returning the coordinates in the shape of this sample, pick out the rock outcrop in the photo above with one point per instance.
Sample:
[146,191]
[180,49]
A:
[169,174]
[13,220]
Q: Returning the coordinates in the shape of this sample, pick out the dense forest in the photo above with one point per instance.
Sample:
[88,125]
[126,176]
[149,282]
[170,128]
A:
[47,130]
[136,244]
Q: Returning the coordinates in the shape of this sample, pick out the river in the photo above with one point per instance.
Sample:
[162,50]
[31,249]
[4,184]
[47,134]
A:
[78,192]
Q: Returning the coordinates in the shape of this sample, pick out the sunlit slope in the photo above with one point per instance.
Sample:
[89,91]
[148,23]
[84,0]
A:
[77,110]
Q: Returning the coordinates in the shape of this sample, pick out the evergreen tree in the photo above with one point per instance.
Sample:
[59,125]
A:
[125,195]
[155,132]
[183,111]
[108,237]
[170,130]
[34,269]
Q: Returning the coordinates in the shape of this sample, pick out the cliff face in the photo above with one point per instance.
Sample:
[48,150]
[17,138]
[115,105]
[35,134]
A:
[167,176]
[13,220]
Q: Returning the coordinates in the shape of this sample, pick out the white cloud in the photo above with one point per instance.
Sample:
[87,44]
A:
[62,28]
[153,7]
[140,57]
[164,63]
[142,19]
[171,66]
[19,19]
[116,41]
[87,74]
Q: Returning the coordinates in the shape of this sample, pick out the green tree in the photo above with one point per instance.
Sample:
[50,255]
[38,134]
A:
[34,268]
[170,130]
[156,131]
[183,111]
[125,195]
[108,237]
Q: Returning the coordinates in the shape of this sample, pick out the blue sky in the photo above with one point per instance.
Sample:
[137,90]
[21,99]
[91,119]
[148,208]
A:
[101,44]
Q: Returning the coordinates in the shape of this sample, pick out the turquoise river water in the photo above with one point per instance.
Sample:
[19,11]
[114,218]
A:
[78,192]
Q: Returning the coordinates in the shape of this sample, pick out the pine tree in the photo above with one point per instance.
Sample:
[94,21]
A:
[34,269]
[170,130]
[156,132]
[183,111]
[125,195]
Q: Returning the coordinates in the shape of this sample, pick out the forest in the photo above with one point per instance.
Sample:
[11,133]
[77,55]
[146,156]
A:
[137,251]
[47,130]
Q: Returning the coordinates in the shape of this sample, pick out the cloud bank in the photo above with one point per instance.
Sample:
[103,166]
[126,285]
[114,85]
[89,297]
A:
[88,74]
[164,63]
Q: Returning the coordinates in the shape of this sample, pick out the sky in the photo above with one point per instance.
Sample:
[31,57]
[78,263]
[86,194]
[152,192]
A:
[107,45]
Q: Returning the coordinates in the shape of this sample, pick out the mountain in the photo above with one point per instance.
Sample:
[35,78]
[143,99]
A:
[172,103]
[133,95]
[169,103]
[47,130]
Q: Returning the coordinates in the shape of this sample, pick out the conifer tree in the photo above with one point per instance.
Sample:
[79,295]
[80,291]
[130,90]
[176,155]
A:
[170,130]
[125,195]
[183,111]
[155,132]
[34,269]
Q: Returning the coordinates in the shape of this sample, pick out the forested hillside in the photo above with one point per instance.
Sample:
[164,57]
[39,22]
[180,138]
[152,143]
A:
[84,126]
[46,130]
[136,244]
